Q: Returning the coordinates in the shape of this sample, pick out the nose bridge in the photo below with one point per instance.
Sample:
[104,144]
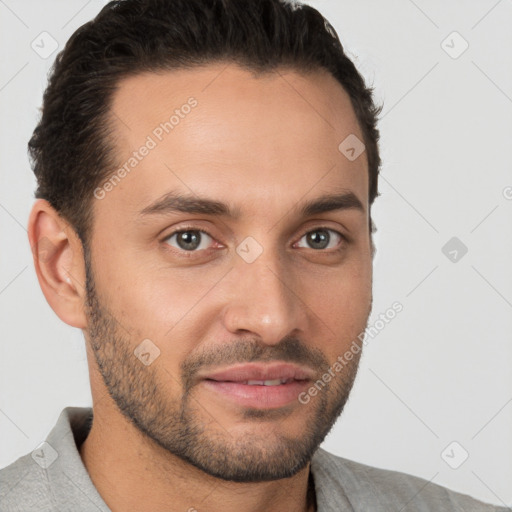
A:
[262,299]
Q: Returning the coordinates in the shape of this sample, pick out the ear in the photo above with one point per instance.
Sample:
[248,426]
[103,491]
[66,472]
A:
[373,229]
[59,263]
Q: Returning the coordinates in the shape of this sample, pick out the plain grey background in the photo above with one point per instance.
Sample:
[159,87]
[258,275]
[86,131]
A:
[435,384]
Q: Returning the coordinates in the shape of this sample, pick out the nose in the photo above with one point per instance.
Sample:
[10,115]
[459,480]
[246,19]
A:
[263,300]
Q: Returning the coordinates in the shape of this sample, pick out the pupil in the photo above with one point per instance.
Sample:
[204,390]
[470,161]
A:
[188,240]
[323,239]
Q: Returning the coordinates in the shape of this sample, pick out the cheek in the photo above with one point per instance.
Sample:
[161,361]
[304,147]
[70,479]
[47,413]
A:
[340,303]
[341,299]
[130,292]
[163,304]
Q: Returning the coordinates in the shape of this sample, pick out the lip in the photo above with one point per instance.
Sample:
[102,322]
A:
[231,384]
[261,371]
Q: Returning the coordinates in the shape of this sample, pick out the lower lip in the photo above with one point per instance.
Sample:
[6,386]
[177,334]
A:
[258,396]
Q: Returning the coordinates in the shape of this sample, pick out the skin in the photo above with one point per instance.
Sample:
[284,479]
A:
[264,145]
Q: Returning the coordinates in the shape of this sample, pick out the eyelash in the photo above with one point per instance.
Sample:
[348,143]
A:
[190,254]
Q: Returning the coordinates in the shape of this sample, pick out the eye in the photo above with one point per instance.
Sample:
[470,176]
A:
[189,240]
[321,238]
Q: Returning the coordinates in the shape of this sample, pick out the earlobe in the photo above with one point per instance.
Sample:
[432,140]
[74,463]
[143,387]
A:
[59,264]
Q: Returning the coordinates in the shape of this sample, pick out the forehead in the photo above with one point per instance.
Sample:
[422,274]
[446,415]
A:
[219,130]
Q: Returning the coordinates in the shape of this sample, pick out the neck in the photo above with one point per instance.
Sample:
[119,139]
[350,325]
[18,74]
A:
[131,472]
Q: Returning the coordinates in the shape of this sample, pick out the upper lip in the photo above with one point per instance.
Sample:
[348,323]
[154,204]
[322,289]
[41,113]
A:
[261,371]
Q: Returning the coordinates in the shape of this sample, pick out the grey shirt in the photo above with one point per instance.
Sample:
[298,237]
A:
[54,478]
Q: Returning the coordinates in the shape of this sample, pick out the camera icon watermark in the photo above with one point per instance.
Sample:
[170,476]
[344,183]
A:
[352,147]
[44,45]
[146,352]
[249,249]
[454,249]
[45,455]
[454,45]
[454,455]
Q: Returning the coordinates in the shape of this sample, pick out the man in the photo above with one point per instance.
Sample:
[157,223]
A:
[206,170]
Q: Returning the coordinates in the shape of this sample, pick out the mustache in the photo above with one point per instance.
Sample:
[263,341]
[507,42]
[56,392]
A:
[289,349]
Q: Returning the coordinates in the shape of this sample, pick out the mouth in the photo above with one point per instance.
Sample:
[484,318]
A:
[260,386]
[274,382]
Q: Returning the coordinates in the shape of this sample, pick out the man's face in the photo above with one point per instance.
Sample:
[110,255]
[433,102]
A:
[268,284]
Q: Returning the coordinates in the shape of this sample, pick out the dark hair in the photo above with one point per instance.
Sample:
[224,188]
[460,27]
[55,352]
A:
[71,149]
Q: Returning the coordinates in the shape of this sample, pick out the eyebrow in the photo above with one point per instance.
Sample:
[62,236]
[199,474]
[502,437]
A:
[174,202]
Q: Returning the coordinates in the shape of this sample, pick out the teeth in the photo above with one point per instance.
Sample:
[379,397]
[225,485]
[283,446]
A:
[275,382]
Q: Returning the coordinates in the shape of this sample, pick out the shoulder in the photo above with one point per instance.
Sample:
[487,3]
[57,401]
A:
[24,486]
[387,489]
[52,477]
